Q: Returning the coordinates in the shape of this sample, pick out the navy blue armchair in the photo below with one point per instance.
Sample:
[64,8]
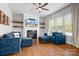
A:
[26,42]
[9,45]
[58,38]
[44,38]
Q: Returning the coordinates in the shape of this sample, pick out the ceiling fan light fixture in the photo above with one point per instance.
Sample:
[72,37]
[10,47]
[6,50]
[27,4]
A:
[39,9]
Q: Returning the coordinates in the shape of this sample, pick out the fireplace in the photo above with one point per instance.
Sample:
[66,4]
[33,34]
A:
[32,34]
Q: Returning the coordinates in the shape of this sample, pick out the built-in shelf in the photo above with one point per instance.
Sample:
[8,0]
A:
[18,22]
[18,26]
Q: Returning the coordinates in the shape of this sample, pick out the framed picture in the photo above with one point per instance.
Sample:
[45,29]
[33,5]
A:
[6,20]
[3,18]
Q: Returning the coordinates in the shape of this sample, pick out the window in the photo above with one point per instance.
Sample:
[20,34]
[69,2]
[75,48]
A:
[52,25]
[62,21]
[56,24]
[62,24]
[67,23]
[59,24]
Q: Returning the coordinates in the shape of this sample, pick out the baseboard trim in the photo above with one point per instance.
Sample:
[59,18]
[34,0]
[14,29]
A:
[72,44]
[69,43]
[77,46]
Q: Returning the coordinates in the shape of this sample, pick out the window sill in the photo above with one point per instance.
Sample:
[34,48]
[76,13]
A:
[68,33]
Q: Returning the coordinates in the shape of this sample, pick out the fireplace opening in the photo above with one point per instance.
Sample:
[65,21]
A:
[32,34]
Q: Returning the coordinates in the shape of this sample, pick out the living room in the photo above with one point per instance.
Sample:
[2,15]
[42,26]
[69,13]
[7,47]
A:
[27,27]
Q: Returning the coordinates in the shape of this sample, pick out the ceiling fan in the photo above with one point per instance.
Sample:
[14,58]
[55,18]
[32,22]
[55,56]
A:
[41,6]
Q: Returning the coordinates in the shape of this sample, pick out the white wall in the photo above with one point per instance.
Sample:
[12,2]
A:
[6,9]
[46,29]
[18,17]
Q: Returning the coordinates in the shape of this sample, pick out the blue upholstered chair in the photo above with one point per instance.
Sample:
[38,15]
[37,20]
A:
[44,38]
[58,38]
[9,45]
[26,42]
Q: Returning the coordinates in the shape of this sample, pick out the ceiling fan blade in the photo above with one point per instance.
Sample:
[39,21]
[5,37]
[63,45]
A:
[44,4]
[34,4]
[39,5]
[45,9]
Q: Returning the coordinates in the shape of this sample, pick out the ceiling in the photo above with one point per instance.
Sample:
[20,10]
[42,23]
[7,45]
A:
[29,8]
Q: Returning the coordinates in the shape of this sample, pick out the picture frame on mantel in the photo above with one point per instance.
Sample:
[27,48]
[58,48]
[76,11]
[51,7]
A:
[4,18]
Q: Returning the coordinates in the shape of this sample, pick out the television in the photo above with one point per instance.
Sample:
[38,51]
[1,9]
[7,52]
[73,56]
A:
[31,21]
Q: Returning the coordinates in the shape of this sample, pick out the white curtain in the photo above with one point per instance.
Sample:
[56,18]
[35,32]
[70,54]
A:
[75,24]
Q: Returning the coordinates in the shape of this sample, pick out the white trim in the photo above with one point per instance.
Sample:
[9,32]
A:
[68,33]
[77,46]
[70,43]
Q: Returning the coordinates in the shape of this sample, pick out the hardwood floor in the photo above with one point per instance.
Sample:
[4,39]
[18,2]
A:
[49,49]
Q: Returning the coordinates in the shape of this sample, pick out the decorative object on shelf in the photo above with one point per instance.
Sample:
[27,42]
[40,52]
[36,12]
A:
[42,27]
[18,22]
[4,18]
[18,26]
[42,23]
